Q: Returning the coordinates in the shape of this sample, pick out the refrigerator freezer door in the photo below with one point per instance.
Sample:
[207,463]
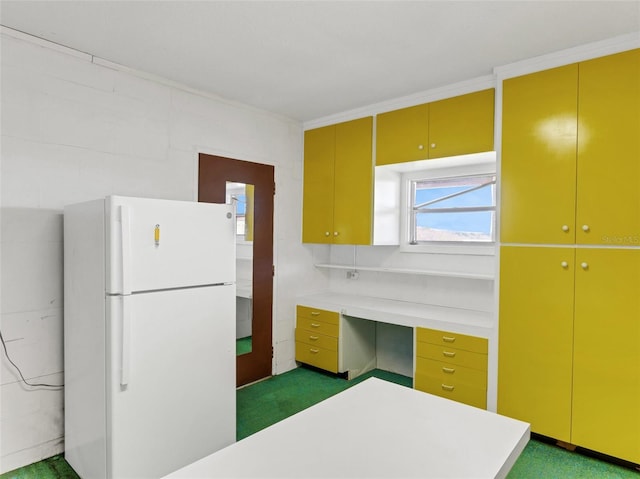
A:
[179,403]
[164,244]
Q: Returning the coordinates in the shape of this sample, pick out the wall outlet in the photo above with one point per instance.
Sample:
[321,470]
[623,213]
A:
[353,275]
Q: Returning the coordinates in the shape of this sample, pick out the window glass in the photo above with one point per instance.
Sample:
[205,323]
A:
[460,209]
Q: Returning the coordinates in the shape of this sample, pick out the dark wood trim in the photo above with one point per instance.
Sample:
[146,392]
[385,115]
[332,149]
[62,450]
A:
[213,174]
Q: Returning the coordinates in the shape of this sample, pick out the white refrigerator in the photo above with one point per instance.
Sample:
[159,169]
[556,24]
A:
[149,335]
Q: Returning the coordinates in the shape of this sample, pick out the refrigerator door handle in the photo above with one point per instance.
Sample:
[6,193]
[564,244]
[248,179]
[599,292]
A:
[126,340]
[125,270]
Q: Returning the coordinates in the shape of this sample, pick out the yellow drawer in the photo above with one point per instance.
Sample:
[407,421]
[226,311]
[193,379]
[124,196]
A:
[446,373]
[455,356]
[454,340]
[318,314]
[318,357]
[318,326]
[474,396]
[316,340]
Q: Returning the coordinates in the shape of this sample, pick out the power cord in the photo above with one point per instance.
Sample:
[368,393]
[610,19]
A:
[35,385]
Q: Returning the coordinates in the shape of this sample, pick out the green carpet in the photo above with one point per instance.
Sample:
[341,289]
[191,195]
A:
[269,401]
[243,345]
[540,460]
[276,398]
[53,468]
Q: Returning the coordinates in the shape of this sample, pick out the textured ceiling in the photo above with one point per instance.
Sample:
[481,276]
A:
[310,59]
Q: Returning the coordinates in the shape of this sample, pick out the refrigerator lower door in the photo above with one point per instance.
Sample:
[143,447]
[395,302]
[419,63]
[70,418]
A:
[171,389]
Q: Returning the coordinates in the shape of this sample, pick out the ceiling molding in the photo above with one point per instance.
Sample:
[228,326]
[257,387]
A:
[426,96]
[580,53]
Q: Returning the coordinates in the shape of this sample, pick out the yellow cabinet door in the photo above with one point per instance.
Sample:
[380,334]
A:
[402,135]
[535,337]
[317,200]
[608,196]
[606,371]
[461,125]
[353,182]
[538,160]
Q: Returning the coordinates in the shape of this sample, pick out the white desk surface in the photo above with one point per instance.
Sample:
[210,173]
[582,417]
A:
[375,429]
[404,313]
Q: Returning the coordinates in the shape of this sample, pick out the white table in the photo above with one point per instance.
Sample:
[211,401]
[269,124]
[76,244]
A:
[375,429]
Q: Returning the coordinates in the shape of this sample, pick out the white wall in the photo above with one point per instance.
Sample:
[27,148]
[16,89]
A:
[442,291]
[73,130]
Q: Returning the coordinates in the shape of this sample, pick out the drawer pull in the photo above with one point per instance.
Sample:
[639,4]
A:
[446,387]
[314,338]
[314,351]
[315,313]
[448,370]
[315,325]
[449,354]
[448,339]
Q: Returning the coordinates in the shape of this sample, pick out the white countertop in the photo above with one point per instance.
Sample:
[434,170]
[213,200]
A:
[404,313]
[375,429]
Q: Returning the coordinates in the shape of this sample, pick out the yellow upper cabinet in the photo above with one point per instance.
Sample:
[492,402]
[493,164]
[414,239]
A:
[454,126]
[338,183]
[402,135]
[461,125]
[539,131]
[353,182]
[571,154]
[317,198]
[608,197]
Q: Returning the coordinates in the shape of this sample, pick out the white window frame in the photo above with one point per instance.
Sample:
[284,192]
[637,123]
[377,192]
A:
[443,168]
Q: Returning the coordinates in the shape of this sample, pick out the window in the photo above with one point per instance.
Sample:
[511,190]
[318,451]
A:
[456,209]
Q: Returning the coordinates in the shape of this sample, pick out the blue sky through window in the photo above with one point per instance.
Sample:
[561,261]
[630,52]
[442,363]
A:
[241,207]
[463,222]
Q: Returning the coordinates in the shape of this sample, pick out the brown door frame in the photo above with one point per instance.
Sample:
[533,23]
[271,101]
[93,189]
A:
[213,174]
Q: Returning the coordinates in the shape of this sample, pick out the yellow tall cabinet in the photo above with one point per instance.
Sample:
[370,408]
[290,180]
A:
[538,174]
[338,183]
[606,356]
[569,345]
[536,338]
[608,196]
[570,154]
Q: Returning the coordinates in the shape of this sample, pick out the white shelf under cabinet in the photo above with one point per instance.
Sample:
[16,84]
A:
[422,272]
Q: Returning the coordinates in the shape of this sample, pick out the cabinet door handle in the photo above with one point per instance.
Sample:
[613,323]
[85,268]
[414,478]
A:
[315,313]
[585,228]
[315,325]
[449,354]
[314,338]
[564,264]
[314,351]
[448,339]
[326,233]
[446,387]
[565,228]
[448,370]
[584,265]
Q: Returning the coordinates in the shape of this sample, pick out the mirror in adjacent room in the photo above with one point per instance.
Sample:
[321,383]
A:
[241,196]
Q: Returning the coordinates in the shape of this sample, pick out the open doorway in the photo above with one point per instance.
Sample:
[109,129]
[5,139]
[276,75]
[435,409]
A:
[250,188]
